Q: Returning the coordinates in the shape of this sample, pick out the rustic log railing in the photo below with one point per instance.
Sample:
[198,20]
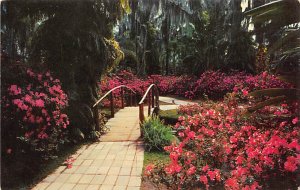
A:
[132,101]
[152,95]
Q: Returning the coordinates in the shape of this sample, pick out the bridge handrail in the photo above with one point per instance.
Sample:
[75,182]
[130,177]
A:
[107,93]
[151,102]
[112,110]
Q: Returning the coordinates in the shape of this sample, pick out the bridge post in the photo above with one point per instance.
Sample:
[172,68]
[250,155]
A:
[112,105]
[96,118]
[141,113]
[149,104]
[152,97]
[157,98]
[122,97]
[142,117]
[131,98]
[134,100]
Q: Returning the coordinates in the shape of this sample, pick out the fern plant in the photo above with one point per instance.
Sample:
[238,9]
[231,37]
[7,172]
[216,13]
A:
[156,135]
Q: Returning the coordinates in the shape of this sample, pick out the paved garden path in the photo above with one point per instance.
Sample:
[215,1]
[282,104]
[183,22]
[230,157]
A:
[115,162]
[175,102]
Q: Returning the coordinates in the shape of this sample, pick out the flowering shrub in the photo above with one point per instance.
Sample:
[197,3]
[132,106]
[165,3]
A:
[180,86]
[220,148]
[32,117]
[214,84]
[264,81]
[189,109]
[164,83]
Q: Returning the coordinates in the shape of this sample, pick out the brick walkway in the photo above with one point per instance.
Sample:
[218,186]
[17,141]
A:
[114,163]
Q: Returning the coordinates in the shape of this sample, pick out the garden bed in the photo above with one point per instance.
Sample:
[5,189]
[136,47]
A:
[223,146]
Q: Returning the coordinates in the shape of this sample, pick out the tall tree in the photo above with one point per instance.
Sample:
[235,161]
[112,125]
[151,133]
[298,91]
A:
[241,51]
[71,38]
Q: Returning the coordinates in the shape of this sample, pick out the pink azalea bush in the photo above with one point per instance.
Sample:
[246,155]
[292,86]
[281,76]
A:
[216,84]
[220,148]
[32,114]
[213,84]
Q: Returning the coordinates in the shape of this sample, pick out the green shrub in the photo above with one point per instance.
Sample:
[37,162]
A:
[156,134]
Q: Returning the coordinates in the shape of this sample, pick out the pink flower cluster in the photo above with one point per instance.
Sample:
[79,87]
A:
[36,107]
[218,147]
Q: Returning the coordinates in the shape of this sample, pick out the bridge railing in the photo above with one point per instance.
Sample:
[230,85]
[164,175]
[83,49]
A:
[132,101]
[152,95]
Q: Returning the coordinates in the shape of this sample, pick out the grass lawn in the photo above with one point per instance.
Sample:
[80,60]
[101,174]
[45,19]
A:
[155,158]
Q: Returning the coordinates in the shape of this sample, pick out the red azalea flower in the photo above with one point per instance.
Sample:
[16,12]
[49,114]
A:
[211,175]
[232,183]
[295,120]
[191,170]
[204,179]
[205,168]
[291,164]
[245,92]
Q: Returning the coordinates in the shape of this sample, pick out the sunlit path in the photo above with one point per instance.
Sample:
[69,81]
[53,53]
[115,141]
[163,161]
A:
[174,103]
